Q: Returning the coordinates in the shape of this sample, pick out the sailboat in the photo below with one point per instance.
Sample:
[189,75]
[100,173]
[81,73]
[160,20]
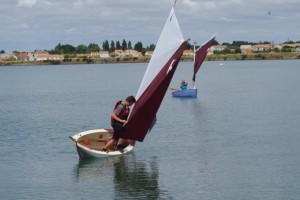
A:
[151,92]
[199,56]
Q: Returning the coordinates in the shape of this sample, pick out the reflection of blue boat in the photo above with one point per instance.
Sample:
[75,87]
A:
[185,93]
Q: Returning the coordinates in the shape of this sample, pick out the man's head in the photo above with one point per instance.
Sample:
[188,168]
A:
[130,100]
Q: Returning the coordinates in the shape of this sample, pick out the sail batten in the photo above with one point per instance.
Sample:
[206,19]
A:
[200,55]
[157,78]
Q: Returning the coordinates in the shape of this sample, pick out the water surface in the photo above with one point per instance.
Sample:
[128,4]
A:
[238,140]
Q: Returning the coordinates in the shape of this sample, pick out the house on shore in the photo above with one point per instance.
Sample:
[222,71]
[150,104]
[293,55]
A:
[83,55]
[262,47]
[149,53]
[295,46]
[6,56]
[246,49]
[43,56]
[216,48]
[95,54]
[22,56]
[118,52]
[104,54]
[188,52]
[127,52]
[101,54]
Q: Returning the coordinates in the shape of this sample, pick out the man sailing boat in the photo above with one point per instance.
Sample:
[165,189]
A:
[118,120]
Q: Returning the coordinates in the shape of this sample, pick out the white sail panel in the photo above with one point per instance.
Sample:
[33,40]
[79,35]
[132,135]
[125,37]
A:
[169,41]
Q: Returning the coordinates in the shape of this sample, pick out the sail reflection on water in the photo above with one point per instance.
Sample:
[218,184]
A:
[137,178]
[126,176]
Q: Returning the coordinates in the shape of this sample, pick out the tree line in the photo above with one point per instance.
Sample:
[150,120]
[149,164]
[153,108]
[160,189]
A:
[139,46]
[106,46]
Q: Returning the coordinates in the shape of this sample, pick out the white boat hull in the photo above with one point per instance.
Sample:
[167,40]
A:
[90,143]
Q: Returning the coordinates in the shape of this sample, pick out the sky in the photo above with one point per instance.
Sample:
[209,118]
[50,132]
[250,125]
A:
[28,25]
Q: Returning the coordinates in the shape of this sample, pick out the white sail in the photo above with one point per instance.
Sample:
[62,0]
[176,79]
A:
[169,41]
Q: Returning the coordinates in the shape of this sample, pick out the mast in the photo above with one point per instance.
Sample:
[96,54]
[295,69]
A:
[194,81]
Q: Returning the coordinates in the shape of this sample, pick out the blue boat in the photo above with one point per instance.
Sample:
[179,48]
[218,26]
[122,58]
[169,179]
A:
[199,56]
[185,93]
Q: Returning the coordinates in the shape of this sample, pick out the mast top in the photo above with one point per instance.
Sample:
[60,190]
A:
[174,3]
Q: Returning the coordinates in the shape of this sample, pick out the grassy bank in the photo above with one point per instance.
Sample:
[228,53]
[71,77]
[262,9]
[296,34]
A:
[215,57]
[256,56]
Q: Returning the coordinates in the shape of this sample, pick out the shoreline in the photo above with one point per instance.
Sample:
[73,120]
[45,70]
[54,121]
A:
[146,59]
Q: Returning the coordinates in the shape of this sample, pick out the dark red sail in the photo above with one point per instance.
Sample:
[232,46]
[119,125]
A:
[200,55]
[146,107]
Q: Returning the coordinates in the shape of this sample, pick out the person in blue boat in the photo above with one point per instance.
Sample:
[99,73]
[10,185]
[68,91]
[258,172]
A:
[118,119]
[183,85]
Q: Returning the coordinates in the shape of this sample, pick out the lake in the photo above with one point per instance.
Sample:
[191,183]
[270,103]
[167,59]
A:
[238,140]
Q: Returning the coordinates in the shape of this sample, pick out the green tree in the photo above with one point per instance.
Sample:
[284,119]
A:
[227,50]
[2,51]
[286,49]
[57,48]
[239,43]
[112,46]
[118,46]
[226,43]
[276,49]
[188,46]
[129,45]
[93,47]
[105,45]
[66,49]
[215,42]
[81,48]
[138,46]
[151,47]
[237,50]
[124,45]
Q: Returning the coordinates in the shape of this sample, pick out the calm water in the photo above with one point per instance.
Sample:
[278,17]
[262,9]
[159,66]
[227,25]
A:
[238,140]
